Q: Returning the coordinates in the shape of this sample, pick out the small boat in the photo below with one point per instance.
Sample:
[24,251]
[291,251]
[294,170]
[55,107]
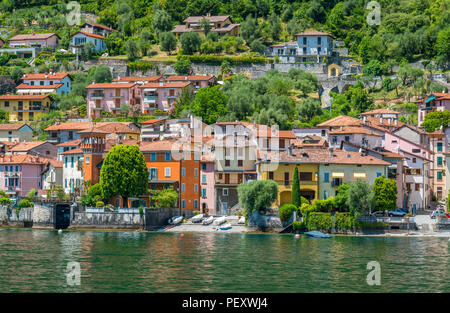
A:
[242,220]
[219,221]
[317,234]
[225,226]
[208,220]
[175,220]
[197,218]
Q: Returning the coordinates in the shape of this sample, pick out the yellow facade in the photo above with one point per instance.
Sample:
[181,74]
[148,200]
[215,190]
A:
[26,108]
[284,176]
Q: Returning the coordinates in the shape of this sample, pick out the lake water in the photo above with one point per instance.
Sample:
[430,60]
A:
[36,261]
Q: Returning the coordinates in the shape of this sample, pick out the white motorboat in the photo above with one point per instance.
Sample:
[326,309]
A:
[208,220]
[242,220]
[197,218]
[225,226]
[219,221]
[175,220]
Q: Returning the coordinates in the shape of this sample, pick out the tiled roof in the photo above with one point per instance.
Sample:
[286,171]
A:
[56,163]
[69,126]
[89,35]
[22,159]
[160,145]
[100,26]
[110,85]
[25,86]
[44,76]
[73,143]
[310,141]
[23,97]
[26,146]
[380,111]
[216,18]
[284,44]
[165,85]
[341,120]
[33,36]
[152,121]
[73,151]
[117,128]
[352,130]
[137,78]
[12,126]
[189,78]
[384,123]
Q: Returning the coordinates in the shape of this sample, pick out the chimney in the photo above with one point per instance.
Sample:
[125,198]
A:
[185,78]
[290,150]
[364,119]
[208,14]
[57,122]
[396,122]
[381,120]
[331,152]
[389,121]
[341,128]
[46,75]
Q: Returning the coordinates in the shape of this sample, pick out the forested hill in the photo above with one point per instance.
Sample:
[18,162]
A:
[409,29]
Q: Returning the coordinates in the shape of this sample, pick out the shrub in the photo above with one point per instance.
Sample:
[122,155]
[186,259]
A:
[25,203]
[299,226]
[325,205]
[319,221]
[195,212]
[5,201]
[99,204]
[140,66]
[286,211]
[305,209]
[217,59]
[344,221]
[141,210]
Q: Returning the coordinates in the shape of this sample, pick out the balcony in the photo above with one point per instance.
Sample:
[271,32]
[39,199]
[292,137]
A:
[95,108]
[97,96]
[150,99]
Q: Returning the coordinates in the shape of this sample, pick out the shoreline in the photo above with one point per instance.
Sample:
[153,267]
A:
[236,229]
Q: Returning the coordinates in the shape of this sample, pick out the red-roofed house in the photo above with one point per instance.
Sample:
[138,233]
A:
[221,24]
[199,81]
[24,107]
[35,40]
[433,102]
[42,148]
[160,95]
[37,82]
[96,29]
[80,38]
[15,132]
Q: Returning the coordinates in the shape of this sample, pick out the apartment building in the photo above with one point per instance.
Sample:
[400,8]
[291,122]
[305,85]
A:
[45,83]
[16,132]
[110,97]
[223,25]
[160,95]
[24,107]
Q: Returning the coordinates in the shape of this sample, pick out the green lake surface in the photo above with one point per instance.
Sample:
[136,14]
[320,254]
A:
[36,261]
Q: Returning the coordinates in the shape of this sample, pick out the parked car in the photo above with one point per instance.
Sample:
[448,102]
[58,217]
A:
[400,212]
[436,213]
[379,214]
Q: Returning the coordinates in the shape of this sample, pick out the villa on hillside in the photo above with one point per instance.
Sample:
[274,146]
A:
[80,38]
[96,29]
[223,25]
[24,107]
[45,83]
[35,40]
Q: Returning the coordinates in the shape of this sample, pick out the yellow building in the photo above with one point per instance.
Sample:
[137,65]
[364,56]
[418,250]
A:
[24,107]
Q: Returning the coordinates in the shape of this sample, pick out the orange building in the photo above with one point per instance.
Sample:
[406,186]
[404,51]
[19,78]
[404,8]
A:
[170,167]
[93,143]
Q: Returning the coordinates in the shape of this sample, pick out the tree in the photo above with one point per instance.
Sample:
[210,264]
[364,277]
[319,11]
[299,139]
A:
[443,44]
[102,74]
[16,74]
[161,21]
[372,69]
[210,104]
[6,85]
[360,198]
[132,49]
[257,195]
[168,42]
[183,102]
[385,193]
[257,46]
[436,120]
[249,29]
[31,194]
[124,173]
[275,26]
[165,198]
[308,109]
[93,195]
[205,24]
[295,195]
[182,66]
[190,42]
[341,197]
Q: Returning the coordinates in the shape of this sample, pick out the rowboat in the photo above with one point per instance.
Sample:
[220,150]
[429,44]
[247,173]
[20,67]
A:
[197,218]
[242,220]
[219,221]
[208,220]
[225,226]
[175,220]
[317,234]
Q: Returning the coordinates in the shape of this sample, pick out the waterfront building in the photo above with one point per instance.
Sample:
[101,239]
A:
[16,132]
[52,175]
[50,40]
[24,107]
[438,165]
[72,176]
[207,184]
[111,97]
[223,25]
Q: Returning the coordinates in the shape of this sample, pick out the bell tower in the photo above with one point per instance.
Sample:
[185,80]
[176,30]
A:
[93,142]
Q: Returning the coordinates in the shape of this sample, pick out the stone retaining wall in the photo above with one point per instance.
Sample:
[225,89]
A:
[155,218]
[106,220]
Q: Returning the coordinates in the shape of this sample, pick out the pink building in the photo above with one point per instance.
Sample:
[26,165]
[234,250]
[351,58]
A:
[198,81]
[160,95]
[110,97]
[20,173]
[207,198]
[433,102]
[140,80]
[35,40]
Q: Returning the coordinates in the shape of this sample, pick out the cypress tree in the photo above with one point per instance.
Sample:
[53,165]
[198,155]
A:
[295,194]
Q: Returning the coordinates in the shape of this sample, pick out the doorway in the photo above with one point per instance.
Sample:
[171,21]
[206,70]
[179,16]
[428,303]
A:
[62,216]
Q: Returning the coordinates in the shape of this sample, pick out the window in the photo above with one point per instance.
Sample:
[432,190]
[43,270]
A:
[417,187]
[408,186]
[167,172]
[204,178]
[195,172]
[153,173]
[204,192]
[306,176]
[271,175]
[414,160]
[286,178]
[203,167]
[319,40]
[439,161]
[6,103]
[227,162]
[439,175]
[87,160]
[195,188]
[167,156]
[325,194]
[326,178]
[304,40]
[195,204]
[17,168]
[240,163]
[416,150]
[152,156]
[347,138]
[225,192]
[183,172]
[183,204]
[71,162]
[323,132]
[439,146]
[183,187]
[379,174]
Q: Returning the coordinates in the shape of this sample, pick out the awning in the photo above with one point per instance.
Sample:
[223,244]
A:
[359,175]
[149,89]
[432,97]
[337,175]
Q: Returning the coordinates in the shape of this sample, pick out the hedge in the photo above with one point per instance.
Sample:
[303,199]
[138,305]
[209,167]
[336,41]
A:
[285,212]
[65,56]
[218,59]
[140,66]
[299,225]
[324,221]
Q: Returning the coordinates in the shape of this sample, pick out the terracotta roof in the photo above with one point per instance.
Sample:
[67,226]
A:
[100,26]
[313,33]
[310,141]
[23,97]
[12,126]
[26,146]
[165,85]
[73,143]
[110,85]
[56,163]
[23,159]
[209,157]
[117,128]
[437,134]
[137,78]
[152,121]
[341,120]
[33,36]
[352,130]
[8,143]
[384,123]
[390,154]
[25,86]
[69,126]
[73,151]
[189,78]
[216,18]
[44,76]
[89,35]
[380,111]
[160,145]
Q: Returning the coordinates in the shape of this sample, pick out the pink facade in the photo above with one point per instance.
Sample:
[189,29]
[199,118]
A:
[110,97]
[160,95]
[198,81]
[33,40]
[433,102]
[207,186]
